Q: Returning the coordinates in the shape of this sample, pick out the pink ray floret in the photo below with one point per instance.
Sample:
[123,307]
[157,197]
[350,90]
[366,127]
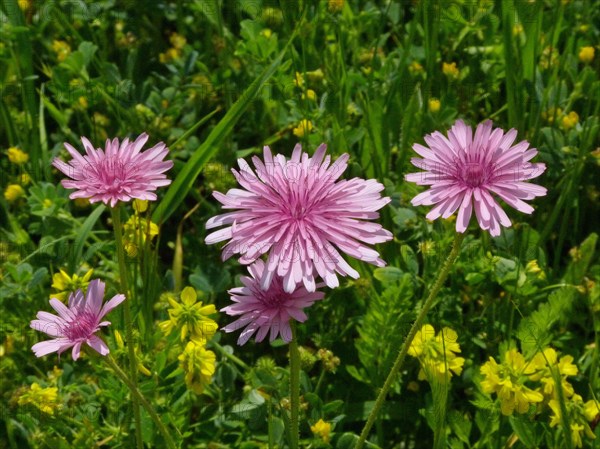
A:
[469,172]
[302,216]
[120,172]
[77,323]
[267,311]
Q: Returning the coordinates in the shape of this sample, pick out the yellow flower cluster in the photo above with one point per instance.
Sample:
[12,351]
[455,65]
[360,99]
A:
[322,430]
[13,192]
[450,70]
[62,50]
[65,284]
[437,354]
[45,399]
[303,128]
[520,383]
[586,54]
[192,318]
[17,156]
[173,53]
[138,229]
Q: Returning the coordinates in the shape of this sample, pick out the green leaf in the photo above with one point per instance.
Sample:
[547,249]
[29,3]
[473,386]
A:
[388,274]
[82,235]
[185,179]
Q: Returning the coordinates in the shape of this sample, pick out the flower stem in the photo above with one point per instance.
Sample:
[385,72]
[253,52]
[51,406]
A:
[294,388]
[139,397]
[409,338]
[117,226]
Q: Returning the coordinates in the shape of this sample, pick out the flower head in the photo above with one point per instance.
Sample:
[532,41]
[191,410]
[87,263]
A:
[77,323]
[191,317]
[300,214]
[17,156]
[578,418]
[586,54]
[65,284]
[437,353]
[463,172]
[198,363]
[321,429]
[13,192]
[267,310]
[508,382]
[545,363]
[45,399]
[119,173]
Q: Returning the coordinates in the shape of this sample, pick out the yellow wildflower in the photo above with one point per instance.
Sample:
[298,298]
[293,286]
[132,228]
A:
[198,363]
[267,33]
[586,54]
[450,70]
[299,79]
[45,399]
[415,67]
[190,316]
[544,363]
[62,50]
[24,4]
[591,410]
[24,179]
[136,230]
[434,105]
[551,114]
[576,411]
[321,429]
[437,353]
[170,55]
[65,284]
[335,5]
[508,382]
[17,156]
[177,41]
[533,268]
[303,128]
[310,94]
[13,192]
[569,121]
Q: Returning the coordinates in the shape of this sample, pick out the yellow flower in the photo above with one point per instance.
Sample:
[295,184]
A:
[24,4]
[82,102]
[62,50]
[586,54]
[544,363]
[310,94]
[437,353]
[137,229]
[321,429]
[576,410]
[24,179]
[303,128]
[267,33]
[65,284]
[190,316]
[335,5]
[198,363]
[13,192]
[415,67]
[170,55]
[450,70]
[177,41]
[299,79]
[45,399]
[508,382]
[569,121]
[17,156]
[434,105]
[533,268]
[591,409]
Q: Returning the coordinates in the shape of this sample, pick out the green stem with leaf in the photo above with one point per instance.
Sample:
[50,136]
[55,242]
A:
[439,282]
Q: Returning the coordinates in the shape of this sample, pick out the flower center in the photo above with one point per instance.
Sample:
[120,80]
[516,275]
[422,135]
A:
[473,174]
[82,327]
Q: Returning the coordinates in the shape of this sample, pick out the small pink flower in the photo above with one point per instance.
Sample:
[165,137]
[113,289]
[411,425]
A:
[270,310]
[76,324]
[464,171]
[119,173]
[300,214]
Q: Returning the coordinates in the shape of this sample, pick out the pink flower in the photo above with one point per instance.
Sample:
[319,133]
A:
[76,324]
[119,173]
[463,171]
[298,213]
[267,310]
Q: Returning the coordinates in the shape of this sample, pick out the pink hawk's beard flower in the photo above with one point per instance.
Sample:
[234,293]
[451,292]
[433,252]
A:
[463,172]
[77,323]
[300,214]
[270,310]
[119,173]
